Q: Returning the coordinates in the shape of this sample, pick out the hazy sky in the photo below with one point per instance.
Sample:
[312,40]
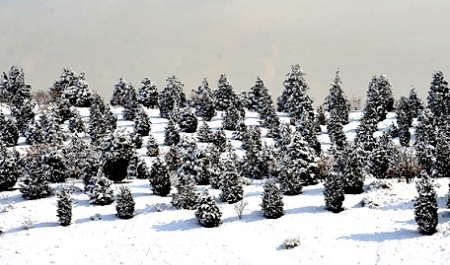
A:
[406,40]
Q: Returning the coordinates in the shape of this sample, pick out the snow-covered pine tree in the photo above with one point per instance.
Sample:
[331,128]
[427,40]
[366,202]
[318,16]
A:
[160,177]
[231,186]
[67,79]
[353,175]
[152,146]
[271,122]
[101,119]
[300,154]
[305,124]
[90,167]
[284,138]
[64,204]
[148,94]
[336,130]
[425,205]
[99,189]
[252,164]
[125,203]
[120,92]
[173,158]
[333,190]
[171,134]
[9,133]
[10,170]
[438,96]
[272,201]
[204,133]
[416,104]
[213,166]
[404,120]
[78,94]
[187,121]
[241,131]
[33,134]
[142,171]
[253,140]
[137,139]
[117,150]
[365,130]
[337,101]
[224,95]
[75,153]
[258,99]
[219,139]
[441,165]
[171,97]
[380,97]
[208,214]
[269,161]
[204,102]
[425,143]
[132,167]
[378,160]
[230,118]
[54,165]
[76,124]
[193,161]
[130,104]
[34,183]
[142,123]
[186,196]
[24,115]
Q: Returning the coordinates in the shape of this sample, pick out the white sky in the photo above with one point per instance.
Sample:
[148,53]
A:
[406,40]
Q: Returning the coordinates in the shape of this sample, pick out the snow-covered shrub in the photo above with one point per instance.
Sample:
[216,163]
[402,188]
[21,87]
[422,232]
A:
[117,150]
[64,211]
[291,243]
[380,184]
[148,94]
[333,190]
[372,202]
[425,205]
[9,133]
[142,123]
[35,184]
[231,186]
[208,213]
[27,223]
[186,196]
[125,203]
[171,134]
[99,189]
[152,146]
[187,121]
[272,202]
[9,169]
[160,176]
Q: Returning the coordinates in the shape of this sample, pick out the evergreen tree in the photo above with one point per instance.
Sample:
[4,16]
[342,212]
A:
[208,213]
[425,205]
[219,139]
[241,131]
[258,99]
[230,118]
[76,124]
[441,165]
[24,115]
[90,167]
[148,94]
[224,95]
[10,170]
[415,103]
[160,177]
[213,166]
[284,138]
[74,155]
[9,133]
[54,165]
[404,120]
[438,96]
[142,123]
[33,134]
[99,189]
[125,203]
[336,130]
[378,160]
[337,101]
[187,121]
[78,94]
[173,158]
[271,122]
[353,174]
[333,190]
[306,126]
[142,171]
[253,167]
[426,142]
[130,104]
[137,140]
[302,156]
[186,196]
[231,186]
[117,150]
[380,97]
[193,161]
[365,130]
[204,133]
[64,212]
[120,92]
[68,78]
[204,102]
[171,135]
[152,146]
[272,201]
[171,97]
[34,183]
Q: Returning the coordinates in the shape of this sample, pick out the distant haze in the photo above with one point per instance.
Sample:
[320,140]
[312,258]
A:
[405,40]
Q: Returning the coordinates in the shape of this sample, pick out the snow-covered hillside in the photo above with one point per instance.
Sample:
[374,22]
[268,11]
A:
[161,234]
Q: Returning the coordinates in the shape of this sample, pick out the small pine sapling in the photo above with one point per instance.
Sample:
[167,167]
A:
[152,146]
[425,205]
[208,213]
[125,203]
[64,212]
[334,192]
[160,177]
[272,202]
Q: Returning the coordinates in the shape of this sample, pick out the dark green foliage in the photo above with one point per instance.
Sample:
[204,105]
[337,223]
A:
[101,119]
[173,158]
[90,166]
[353,174]
[125,203]
[379,97]
[99,189]
[230,118]
[171,97]
[271,122]
[9,133]
[241,132]
[333,190]
[425,143]
[75,153]
[438,96]
[142,123]
[78,94]
[186,196]
[68,78]
[441,165]
[24,115]
[208,213]
[231,186]
[425,205]
[378,160]
[64,211]
[337,102]
[187,121]
[120,92]
[336,130]
[35,184]
[160,176]
[171,134]
[152,146]
[258,99]
[117,150]
[148,94]
[9,169]
[204,133]
[404,120]
[130,104]
[224,95]
[415,103]
[272,202]
[204,102]
[213,166]
[220,139]
[54,165]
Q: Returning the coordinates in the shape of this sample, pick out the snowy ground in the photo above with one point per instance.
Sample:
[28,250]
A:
[159,234]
